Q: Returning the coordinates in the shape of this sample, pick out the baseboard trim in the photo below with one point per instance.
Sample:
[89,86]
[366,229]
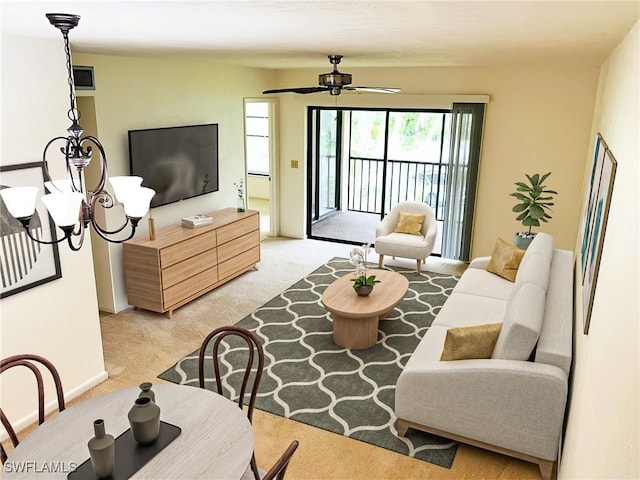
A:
[51,406]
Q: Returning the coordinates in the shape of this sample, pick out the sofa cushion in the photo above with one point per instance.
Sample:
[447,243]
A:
[429,349]
[464,343]
[521,323]
[464,310]
[536,270]
[541,243]
[505,260]
[554,344]
[410,223]
[475,281]
[536,263]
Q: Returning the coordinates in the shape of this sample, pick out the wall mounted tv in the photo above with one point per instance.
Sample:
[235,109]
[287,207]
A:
[177,162]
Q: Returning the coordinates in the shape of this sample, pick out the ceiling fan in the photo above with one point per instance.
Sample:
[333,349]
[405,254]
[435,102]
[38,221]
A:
[333,82]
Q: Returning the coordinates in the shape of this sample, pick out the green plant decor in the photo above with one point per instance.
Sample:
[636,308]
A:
[358,258]
[535,201]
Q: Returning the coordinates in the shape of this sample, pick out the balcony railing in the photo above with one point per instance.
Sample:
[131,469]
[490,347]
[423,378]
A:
[405,181]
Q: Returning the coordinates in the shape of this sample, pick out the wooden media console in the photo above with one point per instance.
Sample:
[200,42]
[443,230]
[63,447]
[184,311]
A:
[181,263]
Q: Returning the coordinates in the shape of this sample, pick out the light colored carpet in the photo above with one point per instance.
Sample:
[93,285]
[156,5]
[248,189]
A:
[308,378]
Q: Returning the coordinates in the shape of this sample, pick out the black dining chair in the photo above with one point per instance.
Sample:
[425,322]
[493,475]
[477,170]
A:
[278,470]
[34,363]
[241,341]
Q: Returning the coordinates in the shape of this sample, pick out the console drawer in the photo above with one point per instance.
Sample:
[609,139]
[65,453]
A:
[186,288]
[238,229]
[238,245]
[179,271]
[239,262]
[188,248]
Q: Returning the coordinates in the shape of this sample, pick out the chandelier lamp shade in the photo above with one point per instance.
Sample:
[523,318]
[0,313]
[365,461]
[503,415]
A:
[71,208]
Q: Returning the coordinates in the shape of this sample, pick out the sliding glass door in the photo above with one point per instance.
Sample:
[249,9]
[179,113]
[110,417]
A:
[364,161]
[325,186]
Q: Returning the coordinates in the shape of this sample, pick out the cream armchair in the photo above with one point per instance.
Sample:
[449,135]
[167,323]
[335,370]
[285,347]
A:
[406,245]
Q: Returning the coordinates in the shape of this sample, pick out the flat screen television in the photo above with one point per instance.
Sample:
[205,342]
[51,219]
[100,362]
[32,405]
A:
[176,162]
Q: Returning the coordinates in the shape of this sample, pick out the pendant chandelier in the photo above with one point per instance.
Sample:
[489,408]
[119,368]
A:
[71,208]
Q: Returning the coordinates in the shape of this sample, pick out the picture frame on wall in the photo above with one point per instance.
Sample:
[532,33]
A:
[24,263]
[592,190]
[595,216]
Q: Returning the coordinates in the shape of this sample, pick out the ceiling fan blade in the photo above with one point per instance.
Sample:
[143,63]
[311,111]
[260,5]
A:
[373,89]
[302,90]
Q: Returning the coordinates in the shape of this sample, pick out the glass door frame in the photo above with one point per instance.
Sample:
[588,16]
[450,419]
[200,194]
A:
[313,154]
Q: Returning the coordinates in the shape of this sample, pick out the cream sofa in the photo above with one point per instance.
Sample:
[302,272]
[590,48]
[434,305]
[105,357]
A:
[514,402]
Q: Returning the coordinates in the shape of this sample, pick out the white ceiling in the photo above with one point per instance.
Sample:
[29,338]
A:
[292,34]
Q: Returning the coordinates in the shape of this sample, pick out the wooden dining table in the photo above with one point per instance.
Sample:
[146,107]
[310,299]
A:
[215,442]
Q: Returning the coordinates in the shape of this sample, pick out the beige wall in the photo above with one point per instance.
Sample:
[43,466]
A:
[537,120]
[136,93]
[258,187]
[59,319]
[527,109]
[603,429]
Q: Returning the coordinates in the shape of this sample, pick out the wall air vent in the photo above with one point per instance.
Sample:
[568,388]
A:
[83,78]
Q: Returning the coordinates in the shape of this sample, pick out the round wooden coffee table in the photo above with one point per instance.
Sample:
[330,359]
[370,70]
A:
[355,319]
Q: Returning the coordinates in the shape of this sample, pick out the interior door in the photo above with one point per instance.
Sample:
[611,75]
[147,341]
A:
[260,155]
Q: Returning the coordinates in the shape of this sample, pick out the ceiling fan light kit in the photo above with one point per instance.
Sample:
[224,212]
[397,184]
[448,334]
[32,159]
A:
[333,82]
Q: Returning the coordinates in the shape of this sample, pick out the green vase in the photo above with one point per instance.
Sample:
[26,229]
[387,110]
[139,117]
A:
[240,204]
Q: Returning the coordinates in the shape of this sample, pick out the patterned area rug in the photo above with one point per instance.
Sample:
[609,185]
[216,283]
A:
[310,379]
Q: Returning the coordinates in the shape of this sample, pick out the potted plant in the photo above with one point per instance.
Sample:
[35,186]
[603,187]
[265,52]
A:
[534,206]
[362,283]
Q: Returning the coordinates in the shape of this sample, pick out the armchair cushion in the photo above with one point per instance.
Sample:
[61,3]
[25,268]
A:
[405,245]
[410,223]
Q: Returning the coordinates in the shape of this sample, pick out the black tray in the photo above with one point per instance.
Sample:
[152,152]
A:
[130,457]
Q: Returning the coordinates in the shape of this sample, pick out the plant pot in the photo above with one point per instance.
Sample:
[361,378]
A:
[144,418]
[523,239]
[363,290]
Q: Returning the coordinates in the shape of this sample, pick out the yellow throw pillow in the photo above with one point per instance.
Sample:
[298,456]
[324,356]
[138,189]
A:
[470,342]
[410,223]
[505,260]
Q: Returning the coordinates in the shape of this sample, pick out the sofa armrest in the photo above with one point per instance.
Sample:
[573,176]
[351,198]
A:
[511,404]
[480,262]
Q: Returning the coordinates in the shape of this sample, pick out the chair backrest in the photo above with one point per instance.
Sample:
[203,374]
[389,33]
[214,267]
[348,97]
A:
[33,363]
[248,342]
[253,348]
[280,467]
[414,207]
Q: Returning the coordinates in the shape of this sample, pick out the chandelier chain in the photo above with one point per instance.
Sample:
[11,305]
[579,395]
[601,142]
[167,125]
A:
[73,111]
[69,206]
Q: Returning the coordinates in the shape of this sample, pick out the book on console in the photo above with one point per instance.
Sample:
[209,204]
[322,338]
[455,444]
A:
[196,221]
